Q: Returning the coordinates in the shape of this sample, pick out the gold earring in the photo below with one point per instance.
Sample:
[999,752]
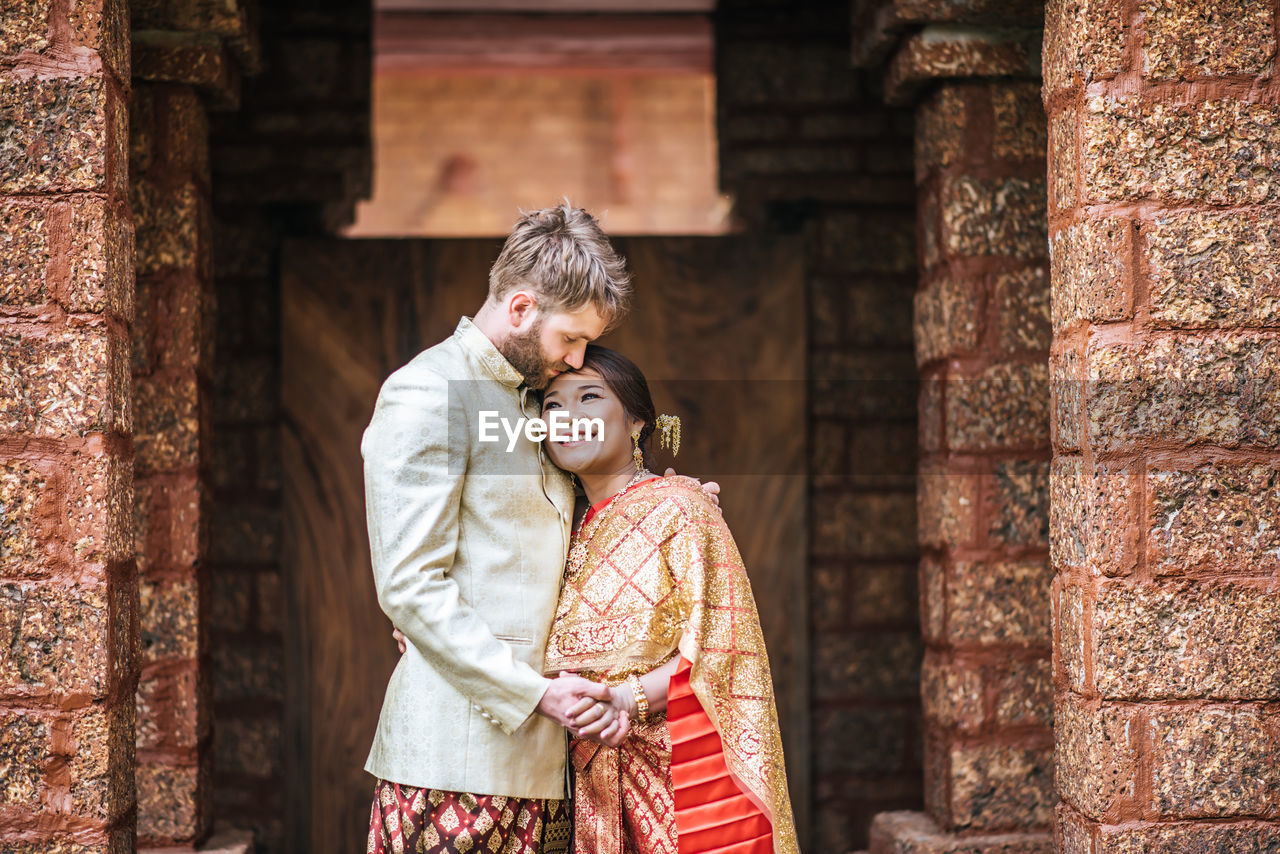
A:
[636,453]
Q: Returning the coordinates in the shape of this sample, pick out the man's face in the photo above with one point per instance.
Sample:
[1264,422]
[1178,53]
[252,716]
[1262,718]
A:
[553,343]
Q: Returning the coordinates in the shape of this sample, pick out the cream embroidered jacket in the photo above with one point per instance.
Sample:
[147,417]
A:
[468,542]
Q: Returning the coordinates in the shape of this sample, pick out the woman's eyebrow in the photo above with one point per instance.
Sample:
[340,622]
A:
[585,387]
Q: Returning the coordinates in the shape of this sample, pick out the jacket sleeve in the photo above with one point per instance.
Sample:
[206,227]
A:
[415,451]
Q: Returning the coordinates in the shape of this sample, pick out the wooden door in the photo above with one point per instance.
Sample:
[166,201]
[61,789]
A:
[717,325]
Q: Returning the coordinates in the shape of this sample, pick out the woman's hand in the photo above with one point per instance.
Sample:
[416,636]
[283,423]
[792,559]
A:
[711,488]
[605,723]
[400,640]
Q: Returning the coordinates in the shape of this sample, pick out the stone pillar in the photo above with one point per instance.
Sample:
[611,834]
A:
[68,588]
[982,334]
[1164,140]
[187,56]
[807,147]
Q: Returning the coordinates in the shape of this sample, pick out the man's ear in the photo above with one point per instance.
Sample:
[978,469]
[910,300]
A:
[521,308]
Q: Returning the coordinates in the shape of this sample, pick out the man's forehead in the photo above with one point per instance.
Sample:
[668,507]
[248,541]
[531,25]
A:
[583,323]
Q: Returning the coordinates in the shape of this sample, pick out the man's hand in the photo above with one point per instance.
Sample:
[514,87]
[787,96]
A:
[400,640]
[711,488]
[607,724]
[567,693]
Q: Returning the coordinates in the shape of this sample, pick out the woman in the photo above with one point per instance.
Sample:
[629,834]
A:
[656,603]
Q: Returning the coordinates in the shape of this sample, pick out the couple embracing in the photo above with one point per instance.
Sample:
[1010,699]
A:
[617,616]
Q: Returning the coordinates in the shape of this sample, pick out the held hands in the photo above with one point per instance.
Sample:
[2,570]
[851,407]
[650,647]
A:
[711,488]
[570,692]
[605,722]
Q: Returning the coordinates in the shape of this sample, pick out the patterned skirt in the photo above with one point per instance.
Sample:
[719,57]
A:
[409,820]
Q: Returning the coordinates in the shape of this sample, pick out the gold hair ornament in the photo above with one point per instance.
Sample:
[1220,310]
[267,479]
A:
[669,426]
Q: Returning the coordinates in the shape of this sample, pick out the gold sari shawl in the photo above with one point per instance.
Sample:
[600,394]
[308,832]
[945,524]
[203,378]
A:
[656,572]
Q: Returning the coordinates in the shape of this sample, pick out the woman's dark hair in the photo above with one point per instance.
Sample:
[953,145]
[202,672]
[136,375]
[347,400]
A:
[625,379]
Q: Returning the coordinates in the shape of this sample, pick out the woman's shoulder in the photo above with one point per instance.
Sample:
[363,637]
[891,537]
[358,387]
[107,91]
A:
[677,495]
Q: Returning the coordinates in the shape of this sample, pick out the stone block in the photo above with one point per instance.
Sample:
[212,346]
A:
[1188,838]
[884,594]
[859,740]
[1221,151]
[1092,517]
[65,381]
[24,253]
[992,602]
[58,639]
[101,762]
[1220,390]
[916,833]
[984,217]
[244,670]
[1022,306]
[1024,694]
[1187,640]
[167,421]
[951,690]
[1083,41]
[101,259]
[1063,166]
[170,709]
[171,225]
[1089,265]
[57,137]
[1205,38]
[940,130]
[1017,499]
[1217,516]
[940,53]
[930,408]
[933,599]
[867,666]
[1066,399]
[786,72]
[169,614]
[1001,787]
[865,242]
[948,319]
[30,527]
[24,753]
[24,25]
[251,747]
[1210,762]
[1073,635]
[877,316]
[1004,406]
[1074,834]
[168,521]
[1095,759]
[245,533]
[247,388]
[1214,269]
[1019,130]
[866,524]
[946,503]
[168,804]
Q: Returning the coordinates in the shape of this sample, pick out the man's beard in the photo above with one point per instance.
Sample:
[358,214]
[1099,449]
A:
[524,352]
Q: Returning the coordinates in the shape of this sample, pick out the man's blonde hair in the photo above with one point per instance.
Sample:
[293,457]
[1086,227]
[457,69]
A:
[564,255]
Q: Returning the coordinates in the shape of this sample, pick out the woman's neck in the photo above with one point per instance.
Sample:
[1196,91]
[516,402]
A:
[598,487]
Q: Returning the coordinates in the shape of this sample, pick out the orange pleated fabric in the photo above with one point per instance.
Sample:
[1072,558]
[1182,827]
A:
[713,816]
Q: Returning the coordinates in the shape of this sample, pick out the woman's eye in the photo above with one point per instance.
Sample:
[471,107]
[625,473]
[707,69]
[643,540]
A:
[550,405]
[589,395]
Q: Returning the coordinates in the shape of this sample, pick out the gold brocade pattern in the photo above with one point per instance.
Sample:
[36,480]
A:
[655,573]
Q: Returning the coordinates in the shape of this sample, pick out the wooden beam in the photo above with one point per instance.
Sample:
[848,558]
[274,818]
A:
[418,42]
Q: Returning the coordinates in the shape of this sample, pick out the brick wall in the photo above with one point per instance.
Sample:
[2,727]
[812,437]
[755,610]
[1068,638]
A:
[807,144]
[292,161]
[1162,223]
[68,583]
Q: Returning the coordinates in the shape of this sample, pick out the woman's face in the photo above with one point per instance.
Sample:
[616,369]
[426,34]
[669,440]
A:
[583,394]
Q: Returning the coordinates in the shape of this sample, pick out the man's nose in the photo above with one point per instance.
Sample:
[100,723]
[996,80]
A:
[574,357]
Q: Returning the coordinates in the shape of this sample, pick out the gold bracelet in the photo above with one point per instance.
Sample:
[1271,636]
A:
[642,702]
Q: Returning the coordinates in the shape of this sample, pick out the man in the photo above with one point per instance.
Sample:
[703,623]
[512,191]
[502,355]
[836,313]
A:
[468,540]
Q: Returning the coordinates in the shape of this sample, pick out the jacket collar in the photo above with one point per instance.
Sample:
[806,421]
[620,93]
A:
[482,348]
